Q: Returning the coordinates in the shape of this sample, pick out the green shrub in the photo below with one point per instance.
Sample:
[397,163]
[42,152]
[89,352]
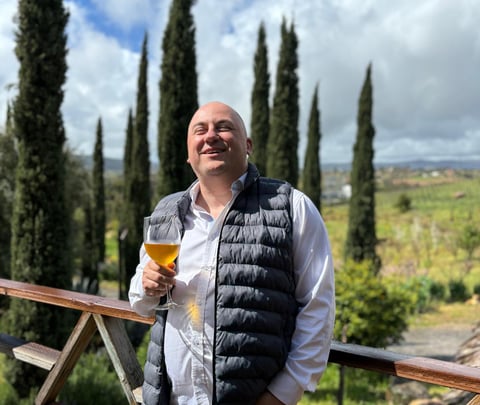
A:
[370,311]
[93,381]
[8,396]
[419,288]
[469,240]
[108,271]
[437,291]
[476,289]
[403,203]
[458,291]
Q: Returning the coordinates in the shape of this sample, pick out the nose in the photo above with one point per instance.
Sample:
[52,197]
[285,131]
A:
[211,134]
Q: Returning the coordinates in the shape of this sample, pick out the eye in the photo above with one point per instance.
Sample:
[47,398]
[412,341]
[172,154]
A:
[224,128]
[199,130]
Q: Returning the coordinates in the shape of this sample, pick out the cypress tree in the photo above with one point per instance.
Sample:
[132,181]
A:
[260,121]
[125,212]
[39,247]
[361,236]
[99,215]
[138,203]
[282,160]
[178,98]
[312,174]
[127,162]
[88,253]
[127,168]
[8,164]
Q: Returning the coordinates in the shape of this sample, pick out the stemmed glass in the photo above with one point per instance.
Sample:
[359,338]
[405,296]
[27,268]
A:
[161,238]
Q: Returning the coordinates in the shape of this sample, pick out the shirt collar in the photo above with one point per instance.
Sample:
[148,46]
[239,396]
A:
[236,187]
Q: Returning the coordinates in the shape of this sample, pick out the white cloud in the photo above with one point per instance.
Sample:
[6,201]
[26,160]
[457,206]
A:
[101,83]
[425,57]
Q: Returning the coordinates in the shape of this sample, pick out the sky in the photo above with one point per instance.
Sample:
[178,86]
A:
[425,58]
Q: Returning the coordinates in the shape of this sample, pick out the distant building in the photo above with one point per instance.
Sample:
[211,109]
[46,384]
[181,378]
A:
[347,191]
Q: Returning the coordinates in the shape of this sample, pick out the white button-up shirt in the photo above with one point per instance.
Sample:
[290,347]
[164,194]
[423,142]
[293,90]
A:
[190,326]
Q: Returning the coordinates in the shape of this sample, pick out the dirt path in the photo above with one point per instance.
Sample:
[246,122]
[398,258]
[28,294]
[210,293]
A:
[441,342]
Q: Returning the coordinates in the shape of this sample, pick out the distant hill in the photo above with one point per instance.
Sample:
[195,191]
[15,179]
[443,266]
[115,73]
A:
[414,165]
[110,164]
[116,165]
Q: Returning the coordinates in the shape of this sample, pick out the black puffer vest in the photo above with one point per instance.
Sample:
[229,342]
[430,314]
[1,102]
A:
[255,304]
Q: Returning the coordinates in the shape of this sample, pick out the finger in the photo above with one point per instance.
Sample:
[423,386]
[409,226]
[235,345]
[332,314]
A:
[155,292]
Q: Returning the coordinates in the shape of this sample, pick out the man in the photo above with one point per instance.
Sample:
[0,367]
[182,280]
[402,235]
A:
[254,281]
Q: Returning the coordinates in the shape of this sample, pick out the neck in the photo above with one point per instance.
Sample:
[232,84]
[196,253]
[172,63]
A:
[213,199]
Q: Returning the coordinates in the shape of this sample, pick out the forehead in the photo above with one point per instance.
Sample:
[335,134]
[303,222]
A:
[213,114]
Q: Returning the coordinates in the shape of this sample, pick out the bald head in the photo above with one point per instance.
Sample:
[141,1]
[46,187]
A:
[219,106]
[217,142]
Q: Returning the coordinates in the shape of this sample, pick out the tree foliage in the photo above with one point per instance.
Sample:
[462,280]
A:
[469,239]
[403,203]
[260,121]
[93,378]
[178,98]
[137,178]
[99,214]
[312,174]
[369,311]
[127,164]
[361,238]
[282,159]
[40,247]
[8,164]
[78,184]
[89,281]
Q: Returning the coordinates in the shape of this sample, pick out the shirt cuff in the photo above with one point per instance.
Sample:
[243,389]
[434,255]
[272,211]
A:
[143,305]
[286,388]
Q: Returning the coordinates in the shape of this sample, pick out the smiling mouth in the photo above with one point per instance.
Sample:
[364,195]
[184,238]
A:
[212,152]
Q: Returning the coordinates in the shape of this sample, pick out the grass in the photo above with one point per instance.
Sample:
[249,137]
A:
[361,387]
[447,314]
[424,240]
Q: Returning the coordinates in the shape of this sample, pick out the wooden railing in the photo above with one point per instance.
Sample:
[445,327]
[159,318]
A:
[97,313]
[106,315]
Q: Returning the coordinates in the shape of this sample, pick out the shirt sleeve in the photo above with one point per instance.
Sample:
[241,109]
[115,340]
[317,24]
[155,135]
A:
[141,303]
[315,293]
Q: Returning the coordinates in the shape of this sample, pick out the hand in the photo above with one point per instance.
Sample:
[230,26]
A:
[156,279]
[267,398]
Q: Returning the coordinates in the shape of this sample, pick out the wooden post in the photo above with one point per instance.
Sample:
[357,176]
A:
[121,353]
[75,346]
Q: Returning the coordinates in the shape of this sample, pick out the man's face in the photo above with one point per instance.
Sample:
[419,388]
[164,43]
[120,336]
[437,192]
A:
[217,142]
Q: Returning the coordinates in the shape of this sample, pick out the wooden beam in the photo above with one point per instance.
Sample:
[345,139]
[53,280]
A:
[447,374]
[71,299]
[29,352]
[75,346]
[121,353]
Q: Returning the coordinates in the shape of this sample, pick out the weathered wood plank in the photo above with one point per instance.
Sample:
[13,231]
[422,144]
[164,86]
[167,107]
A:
[29,352]
[75,346]
[475,400]
[71,299]
[38,355]
[447,374]
[121,353]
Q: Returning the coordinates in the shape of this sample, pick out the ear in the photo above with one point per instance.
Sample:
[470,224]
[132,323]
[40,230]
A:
[249,146]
